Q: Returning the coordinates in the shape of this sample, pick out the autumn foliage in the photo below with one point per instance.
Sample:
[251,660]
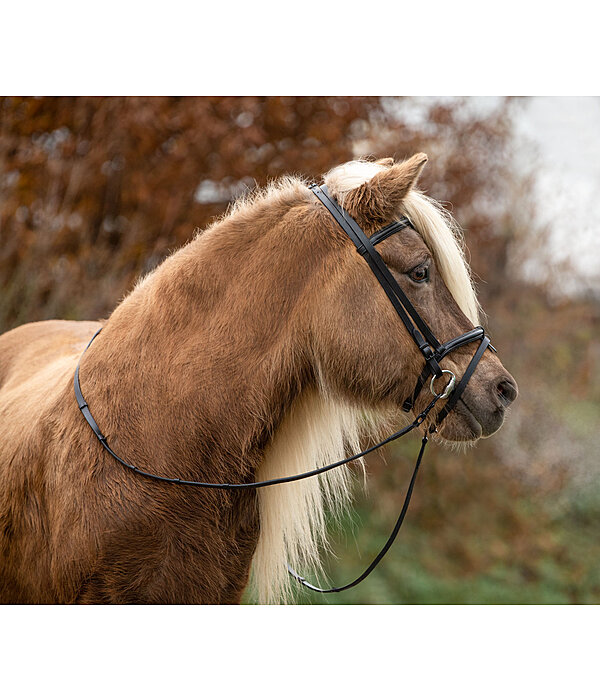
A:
[101,190]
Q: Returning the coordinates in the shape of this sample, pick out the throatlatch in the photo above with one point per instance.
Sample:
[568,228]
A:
[433,352]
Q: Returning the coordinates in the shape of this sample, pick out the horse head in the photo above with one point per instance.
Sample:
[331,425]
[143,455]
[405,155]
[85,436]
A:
[362,348]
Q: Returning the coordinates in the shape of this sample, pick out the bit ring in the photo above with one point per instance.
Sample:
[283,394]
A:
[449,387]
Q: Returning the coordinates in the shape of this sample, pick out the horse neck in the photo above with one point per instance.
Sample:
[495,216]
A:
[198,366]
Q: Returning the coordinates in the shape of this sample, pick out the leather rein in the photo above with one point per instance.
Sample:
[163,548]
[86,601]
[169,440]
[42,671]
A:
[432,350]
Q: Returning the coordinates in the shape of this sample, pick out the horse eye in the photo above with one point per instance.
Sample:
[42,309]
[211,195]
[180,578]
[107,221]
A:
[420,274]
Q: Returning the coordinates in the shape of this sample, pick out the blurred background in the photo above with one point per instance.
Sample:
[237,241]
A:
[97,191]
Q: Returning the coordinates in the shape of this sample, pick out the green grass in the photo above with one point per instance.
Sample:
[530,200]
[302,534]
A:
[552,555]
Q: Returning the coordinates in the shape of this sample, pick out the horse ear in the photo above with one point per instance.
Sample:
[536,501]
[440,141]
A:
[375,203]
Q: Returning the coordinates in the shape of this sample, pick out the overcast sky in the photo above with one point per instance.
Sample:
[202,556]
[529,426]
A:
[565,132]
[560,138]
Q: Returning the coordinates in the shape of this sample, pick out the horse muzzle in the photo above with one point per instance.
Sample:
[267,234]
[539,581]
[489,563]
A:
[481,409]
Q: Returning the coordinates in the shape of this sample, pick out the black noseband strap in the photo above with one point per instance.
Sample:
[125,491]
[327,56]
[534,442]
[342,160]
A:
[451,403]
[433,351]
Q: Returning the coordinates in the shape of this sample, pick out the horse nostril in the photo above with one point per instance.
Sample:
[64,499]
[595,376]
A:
[507,391]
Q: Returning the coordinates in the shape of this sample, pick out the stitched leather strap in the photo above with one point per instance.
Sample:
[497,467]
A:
[386,546]
[83,407]
[390,229]
[470,336]
[419,330]
[81,402]
[456,394]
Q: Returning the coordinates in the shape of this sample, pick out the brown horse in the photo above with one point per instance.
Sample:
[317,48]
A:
[263,347]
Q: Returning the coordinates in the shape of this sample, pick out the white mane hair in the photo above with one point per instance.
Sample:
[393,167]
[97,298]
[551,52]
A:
[321,429]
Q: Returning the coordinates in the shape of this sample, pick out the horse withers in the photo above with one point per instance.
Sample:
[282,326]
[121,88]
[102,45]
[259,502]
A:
[263,348]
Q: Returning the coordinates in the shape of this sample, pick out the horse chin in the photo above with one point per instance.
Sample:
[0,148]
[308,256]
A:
[463,425]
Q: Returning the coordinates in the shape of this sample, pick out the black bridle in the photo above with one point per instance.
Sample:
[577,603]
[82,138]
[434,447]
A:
[433,352]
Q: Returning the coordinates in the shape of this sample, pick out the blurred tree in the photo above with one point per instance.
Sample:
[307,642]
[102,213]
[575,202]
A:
[94,191]
[471,170]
